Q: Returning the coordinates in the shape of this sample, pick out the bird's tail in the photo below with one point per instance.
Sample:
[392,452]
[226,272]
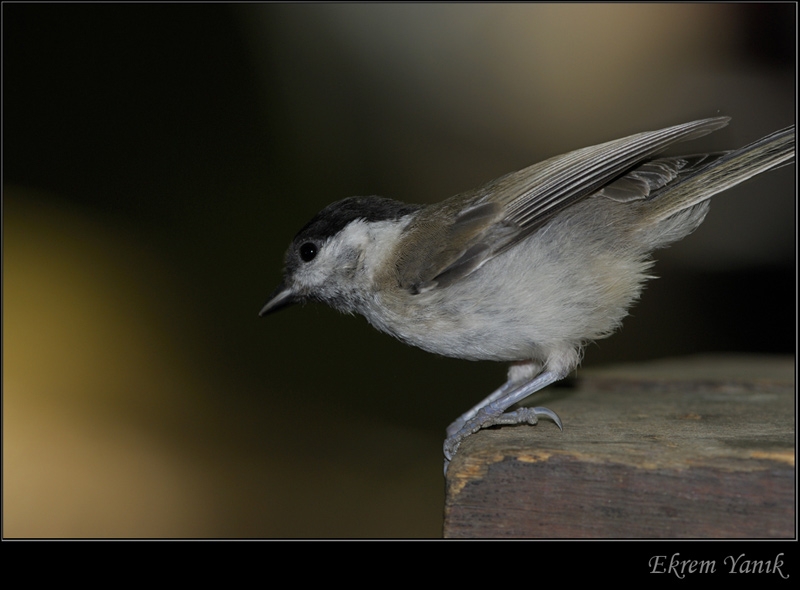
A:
[722,173]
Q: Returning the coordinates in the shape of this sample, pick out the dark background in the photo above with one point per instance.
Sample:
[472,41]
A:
[157,160]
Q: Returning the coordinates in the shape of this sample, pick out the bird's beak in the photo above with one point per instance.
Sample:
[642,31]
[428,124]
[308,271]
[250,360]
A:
[281,297]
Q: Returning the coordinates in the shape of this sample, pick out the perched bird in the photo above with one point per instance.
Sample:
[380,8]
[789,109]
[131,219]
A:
[526,269]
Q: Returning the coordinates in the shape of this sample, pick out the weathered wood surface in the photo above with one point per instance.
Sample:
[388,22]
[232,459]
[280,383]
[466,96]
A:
[700,448]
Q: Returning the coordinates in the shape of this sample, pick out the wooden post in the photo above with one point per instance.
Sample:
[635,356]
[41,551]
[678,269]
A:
[689,448]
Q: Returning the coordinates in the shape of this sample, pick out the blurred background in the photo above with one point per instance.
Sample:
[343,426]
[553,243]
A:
[158,159]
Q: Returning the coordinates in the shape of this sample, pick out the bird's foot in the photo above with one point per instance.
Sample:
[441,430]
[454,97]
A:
[483,420]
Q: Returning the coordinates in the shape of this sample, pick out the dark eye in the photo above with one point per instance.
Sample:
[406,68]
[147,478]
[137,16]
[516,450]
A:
[308,251]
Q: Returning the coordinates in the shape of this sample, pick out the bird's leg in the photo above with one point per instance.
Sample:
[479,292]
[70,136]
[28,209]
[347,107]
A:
[518,374]
[491,410]
[495,395]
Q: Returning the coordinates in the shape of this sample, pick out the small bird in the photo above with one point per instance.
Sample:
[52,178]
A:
[526,269]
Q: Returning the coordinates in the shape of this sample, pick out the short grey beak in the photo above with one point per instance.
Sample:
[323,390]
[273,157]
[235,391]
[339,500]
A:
[281,297]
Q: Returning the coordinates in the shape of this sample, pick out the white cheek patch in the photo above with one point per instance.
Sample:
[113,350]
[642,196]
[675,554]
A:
[355,254]
[379,239]
[315,273]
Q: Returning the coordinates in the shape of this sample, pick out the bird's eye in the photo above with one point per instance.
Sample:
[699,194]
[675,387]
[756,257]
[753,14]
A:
[308,251]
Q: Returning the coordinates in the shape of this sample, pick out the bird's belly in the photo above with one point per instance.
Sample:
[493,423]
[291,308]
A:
[515,307]
[465,326]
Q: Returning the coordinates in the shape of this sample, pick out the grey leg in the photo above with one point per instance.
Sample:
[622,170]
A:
[491,411]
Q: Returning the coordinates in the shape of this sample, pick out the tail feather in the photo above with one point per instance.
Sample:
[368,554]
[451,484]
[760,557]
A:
[722,173]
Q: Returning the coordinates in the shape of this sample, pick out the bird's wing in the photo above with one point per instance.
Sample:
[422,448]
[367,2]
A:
[464,232]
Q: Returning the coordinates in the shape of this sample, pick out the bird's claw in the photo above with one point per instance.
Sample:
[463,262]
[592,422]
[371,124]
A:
[482,420]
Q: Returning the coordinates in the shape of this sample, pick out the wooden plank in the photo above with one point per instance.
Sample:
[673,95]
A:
[698,448]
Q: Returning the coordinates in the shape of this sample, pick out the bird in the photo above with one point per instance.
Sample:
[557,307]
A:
[526,269]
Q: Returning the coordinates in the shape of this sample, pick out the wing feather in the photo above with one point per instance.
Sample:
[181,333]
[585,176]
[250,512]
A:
[467,230]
